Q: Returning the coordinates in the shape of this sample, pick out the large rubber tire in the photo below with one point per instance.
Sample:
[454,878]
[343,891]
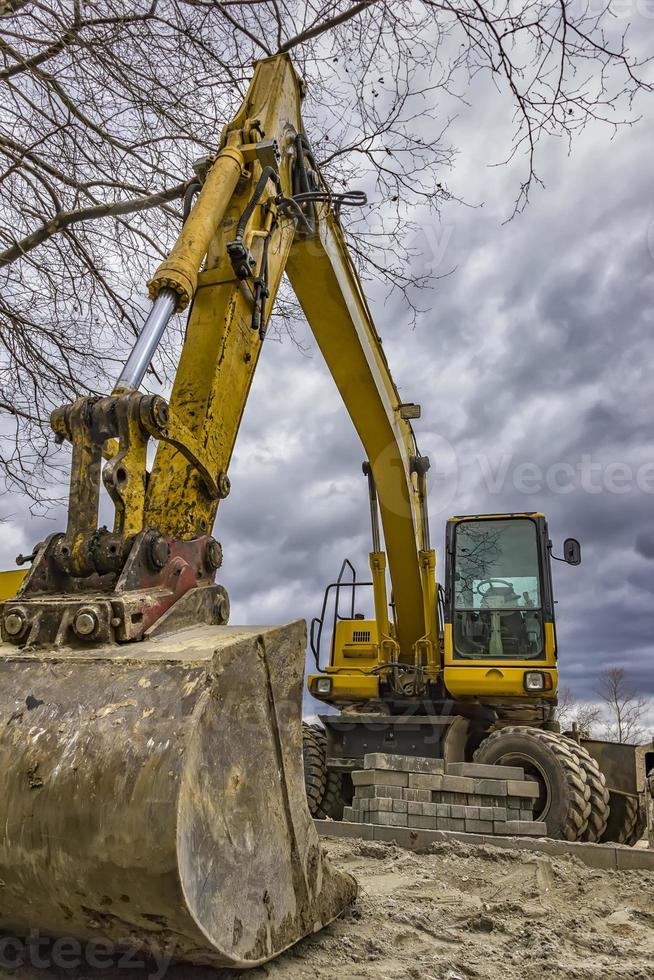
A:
[627,822]
[564,803]
[599,794]
[638,823]
[315,770]
[332,801]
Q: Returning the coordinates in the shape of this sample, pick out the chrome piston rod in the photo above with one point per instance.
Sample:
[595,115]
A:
[147,341]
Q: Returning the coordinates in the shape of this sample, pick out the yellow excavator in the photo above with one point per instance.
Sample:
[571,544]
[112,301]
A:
[152,786]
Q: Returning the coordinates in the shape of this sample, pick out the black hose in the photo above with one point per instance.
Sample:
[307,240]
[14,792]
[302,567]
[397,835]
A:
[189,194]
[268,173]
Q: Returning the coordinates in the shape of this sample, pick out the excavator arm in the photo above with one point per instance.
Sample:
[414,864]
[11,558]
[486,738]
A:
[263,210]
[223,344]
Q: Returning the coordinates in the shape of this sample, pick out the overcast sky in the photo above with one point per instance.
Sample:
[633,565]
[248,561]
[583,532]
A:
[534,371]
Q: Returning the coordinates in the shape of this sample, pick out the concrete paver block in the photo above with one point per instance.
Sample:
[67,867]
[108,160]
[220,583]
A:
[379,777]
[523,789]
[424,780]
[533,828]
[491,787]
[390,819]
[602,856]
[381,805]
[421,822]
[403,763]
[482,771]
[458,784]
[479,826]
[417,795]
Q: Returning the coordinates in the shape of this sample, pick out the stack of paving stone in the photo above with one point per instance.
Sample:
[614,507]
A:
[424,794]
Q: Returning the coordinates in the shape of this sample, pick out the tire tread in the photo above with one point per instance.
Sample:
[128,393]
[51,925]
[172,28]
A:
[579,809]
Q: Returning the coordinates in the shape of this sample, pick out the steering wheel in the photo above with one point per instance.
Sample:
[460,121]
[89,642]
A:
[491,582]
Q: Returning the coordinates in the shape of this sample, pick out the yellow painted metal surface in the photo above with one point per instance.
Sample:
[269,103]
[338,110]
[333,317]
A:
[331,296]
[492,678]
[550,643]
[495,681]
[179,270]
[10,583]
[221,349]
[348,687]
[355,645]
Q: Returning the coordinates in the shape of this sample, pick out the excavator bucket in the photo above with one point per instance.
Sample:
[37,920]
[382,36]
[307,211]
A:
[152,796]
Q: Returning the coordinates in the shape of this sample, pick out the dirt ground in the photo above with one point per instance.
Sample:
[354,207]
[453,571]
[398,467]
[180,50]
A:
[464,912]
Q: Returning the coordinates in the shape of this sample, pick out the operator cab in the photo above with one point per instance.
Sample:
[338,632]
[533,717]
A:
[499,607]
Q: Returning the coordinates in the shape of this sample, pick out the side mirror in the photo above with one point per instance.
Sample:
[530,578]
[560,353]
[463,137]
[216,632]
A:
[572,551]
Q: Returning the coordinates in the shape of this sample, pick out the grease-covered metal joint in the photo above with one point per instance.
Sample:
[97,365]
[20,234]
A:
[14,623]
[159,411]
[221,608]
[86,622]
[213,555]
[224,485]
[158,551]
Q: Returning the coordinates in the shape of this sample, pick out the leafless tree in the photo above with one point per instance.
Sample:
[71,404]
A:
[625,707]
[105,104]
[570,712]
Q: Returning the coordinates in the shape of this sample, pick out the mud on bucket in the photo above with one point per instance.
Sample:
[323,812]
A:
[153,796]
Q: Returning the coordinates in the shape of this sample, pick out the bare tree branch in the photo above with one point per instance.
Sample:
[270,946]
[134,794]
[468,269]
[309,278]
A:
[625,707]
[64,219]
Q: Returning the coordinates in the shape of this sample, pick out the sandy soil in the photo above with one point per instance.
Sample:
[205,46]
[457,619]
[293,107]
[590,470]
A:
[464,912]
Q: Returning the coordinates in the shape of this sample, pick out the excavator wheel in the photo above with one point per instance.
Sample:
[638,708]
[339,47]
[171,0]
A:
[627,821]
[599,794]
[152,796]
[315,770]
[333,801]
[564,802]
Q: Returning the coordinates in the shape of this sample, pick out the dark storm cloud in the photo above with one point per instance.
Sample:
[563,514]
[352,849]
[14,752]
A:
[645,546]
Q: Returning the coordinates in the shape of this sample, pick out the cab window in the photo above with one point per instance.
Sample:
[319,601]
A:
[497,591]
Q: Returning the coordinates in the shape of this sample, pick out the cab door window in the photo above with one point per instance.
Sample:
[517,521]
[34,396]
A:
[497,590]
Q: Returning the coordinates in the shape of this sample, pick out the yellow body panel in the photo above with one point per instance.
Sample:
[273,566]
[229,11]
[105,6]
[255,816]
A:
[348,687]
[10,582]
[355,645]
[495,681]
[489,678]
